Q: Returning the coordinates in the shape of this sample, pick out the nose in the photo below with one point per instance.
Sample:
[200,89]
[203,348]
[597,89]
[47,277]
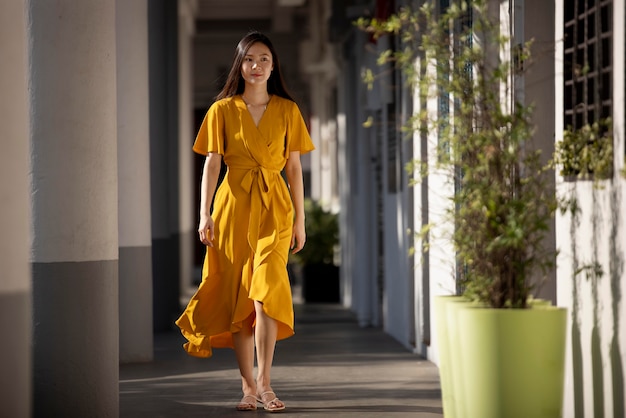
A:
[254,64]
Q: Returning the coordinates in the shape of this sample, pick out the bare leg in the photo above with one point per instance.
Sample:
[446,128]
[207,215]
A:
[244,351]
[265,336]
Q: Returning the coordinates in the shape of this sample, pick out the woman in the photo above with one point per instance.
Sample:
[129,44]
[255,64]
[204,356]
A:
[244,299]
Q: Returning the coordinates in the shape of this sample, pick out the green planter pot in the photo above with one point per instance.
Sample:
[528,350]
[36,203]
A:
[459,391]
[513,361]
[443,353]
[446,312]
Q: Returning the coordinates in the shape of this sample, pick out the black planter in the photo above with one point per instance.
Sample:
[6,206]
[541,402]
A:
[320,283]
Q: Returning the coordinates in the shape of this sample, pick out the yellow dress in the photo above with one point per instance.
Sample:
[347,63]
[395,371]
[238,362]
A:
[253,215]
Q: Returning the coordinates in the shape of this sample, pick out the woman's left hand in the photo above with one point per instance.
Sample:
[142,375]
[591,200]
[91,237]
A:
[298,237]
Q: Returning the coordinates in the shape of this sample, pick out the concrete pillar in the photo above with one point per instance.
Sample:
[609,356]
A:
[133,156]
[74,201]
[538,23]
[359,273]
[187,178]
[312,55]
[163,76]
[15,278]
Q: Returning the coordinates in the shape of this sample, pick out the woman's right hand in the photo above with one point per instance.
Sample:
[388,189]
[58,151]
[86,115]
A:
[206,230]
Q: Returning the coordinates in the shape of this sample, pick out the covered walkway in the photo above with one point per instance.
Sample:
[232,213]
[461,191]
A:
[330,368]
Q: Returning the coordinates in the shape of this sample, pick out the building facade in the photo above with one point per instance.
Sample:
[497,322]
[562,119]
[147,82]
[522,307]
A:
[576,78]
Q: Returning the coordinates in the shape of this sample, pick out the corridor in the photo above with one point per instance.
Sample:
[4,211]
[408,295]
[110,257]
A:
[330,368]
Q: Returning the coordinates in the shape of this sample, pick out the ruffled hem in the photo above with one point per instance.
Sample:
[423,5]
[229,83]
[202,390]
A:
[199,345]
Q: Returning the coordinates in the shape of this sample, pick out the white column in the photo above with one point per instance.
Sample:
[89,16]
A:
[133,154]
[15,279]
[74,201]
[186,180]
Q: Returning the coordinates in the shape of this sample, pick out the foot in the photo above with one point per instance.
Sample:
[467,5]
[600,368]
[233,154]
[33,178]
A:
[247,403]
[270,402]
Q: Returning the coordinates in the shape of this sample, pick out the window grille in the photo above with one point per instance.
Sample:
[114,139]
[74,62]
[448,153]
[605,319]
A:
[588,62]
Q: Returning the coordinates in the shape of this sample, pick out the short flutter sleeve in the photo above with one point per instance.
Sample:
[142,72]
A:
[210,136]
[298,138]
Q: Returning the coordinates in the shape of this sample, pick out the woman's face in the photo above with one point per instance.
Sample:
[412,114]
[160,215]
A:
[257,64]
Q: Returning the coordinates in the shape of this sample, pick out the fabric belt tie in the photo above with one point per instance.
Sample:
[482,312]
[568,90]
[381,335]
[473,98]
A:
[257,182]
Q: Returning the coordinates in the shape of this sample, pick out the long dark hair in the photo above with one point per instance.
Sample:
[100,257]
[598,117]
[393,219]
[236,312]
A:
[235,83]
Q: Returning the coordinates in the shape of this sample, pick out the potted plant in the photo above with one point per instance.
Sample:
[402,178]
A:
[508,356]
[586,153]
[320,275]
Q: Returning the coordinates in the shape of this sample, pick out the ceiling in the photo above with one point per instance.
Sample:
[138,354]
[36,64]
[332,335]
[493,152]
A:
[241,15]
[234,9]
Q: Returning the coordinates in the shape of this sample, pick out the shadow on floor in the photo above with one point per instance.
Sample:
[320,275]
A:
[331,367]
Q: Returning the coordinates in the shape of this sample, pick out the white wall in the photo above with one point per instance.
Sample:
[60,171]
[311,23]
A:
[434,270]
[596,349]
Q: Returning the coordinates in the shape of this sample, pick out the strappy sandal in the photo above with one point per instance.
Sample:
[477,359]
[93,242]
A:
[247,406]
[271,405]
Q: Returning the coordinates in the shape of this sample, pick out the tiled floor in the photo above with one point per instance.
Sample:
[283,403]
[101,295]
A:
[330,368]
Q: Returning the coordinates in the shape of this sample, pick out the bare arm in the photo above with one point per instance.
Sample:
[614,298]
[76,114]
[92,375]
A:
[210,174]
[293,170]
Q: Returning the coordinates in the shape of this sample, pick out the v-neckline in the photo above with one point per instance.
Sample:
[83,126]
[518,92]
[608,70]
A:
[256,123]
